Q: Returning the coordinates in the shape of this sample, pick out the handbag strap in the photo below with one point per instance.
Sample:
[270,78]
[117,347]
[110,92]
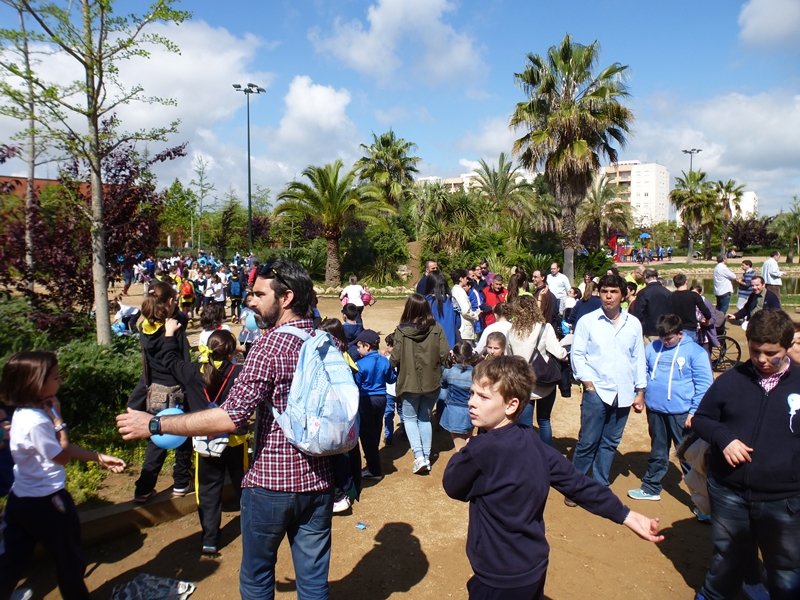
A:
[538,341]
[222,387]
[145,366]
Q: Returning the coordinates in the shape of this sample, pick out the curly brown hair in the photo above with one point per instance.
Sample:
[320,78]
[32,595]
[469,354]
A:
[526,315]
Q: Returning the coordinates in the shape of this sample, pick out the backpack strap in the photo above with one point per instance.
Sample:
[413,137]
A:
[298,333]
[221,389]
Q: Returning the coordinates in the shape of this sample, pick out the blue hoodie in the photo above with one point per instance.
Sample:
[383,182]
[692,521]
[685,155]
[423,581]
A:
[449,319]
[677,377]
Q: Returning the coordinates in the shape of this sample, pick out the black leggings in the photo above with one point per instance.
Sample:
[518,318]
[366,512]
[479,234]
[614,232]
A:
[211,477]
[153,461]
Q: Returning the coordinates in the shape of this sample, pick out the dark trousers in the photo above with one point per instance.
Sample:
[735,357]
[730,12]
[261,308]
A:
[775,289]
[480,591]
[130,322]
[153,461]
[236,307]
[370,414]
[53,522]
[211,477]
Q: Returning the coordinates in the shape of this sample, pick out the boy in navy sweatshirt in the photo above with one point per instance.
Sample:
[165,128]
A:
[374,372]
[505,475]
[351,329]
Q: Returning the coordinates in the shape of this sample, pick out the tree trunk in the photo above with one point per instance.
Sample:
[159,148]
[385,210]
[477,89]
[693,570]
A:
[569,237]
[29,208]
[690,255]
[333,277]
[724,233]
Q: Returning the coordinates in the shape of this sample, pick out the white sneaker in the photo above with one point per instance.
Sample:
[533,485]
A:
[420,464]
[755,591]
[342,505]
[21,594]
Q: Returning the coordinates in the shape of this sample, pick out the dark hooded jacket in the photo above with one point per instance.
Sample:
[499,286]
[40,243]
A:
[420,354]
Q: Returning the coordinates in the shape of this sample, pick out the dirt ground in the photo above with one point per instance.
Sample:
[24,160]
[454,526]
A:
[414,542]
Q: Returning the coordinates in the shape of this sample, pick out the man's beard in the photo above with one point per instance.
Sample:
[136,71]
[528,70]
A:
[270,317]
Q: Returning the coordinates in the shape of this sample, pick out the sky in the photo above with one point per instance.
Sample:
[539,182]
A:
[718,75]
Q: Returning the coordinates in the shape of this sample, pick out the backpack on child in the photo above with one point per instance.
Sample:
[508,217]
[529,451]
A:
[187,289]
[321,416]
[236,289]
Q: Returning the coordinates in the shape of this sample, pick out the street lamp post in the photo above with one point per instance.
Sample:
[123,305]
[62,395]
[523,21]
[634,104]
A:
[250,88]
[691,154]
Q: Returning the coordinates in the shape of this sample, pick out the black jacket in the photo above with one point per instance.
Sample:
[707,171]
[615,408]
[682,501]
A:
[505,475]
[683,304]
[652,301]
[737,407]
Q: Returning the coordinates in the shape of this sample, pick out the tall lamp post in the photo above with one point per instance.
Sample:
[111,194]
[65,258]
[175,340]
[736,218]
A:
[250,88]
[691,154]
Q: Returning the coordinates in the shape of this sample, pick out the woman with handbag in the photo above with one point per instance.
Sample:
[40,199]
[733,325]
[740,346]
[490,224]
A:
[158,389]
[532,338]
[216,454]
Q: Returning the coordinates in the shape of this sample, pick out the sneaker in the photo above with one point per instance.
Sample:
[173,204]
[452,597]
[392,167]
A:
[142,498]
[21,594]
[181,492]
[755,591]
[342,505]
[570,503]
[367,474]
[640,494]
[420,464]
[209,550]
[701,516]
[428,463]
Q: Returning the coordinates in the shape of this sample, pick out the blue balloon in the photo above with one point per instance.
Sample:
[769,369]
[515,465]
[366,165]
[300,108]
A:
[165,440]
[250,322]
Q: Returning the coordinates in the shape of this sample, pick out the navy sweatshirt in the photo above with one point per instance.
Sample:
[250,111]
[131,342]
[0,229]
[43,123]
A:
[737,407]
[506,475]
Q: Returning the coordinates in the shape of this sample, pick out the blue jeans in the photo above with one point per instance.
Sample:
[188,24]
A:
[544,407]
[417,419]
[388,416]
[692,335]
[739,528]
[723,302]
[601,431]
[268,516]
[664,431]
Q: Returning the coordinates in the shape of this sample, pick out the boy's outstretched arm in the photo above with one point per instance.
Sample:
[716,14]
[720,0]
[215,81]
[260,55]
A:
[645,527]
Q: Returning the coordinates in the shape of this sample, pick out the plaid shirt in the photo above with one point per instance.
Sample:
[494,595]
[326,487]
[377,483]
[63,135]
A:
[769,383]
[268,374]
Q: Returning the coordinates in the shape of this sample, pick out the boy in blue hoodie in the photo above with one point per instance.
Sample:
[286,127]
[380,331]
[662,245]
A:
[374,372]
[678,374]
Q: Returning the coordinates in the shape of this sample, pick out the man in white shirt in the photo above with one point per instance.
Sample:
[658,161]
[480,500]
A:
[723,283]
[771,274]
[608,359]
[460,296]
[559,284]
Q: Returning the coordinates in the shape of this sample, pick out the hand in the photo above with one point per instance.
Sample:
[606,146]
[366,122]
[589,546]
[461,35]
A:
[52,404]
[645,527]
[588,386]
[133,425]
[112,463]
[171,326]
[730,317]
[638,403]
[736,453]
[688,424]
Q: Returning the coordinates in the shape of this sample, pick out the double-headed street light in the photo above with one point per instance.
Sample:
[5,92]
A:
[691,154]
[250,88]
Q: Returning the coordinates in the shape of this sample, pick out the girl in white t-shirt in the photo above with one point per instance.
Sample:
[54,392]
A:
[127,314]
[39,508]
[352,294]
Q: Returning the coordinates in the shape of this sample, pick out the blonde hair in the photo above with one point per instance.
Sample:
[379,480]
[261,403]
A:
[511,375]
[526,314]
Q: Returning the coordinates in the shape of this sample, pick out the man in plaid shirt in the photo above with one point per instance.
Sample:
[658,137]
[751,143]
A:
[284,491]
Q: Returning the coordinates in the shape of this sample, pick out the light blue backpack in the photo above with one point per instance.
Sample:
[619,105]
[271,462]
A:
[321,416]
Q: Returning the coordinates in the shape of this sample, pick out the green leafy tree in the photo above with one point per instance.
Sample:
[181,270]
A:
[787,227]
[503,187]
[179,207]
[603,211]
[388,165]
[335,201]
[572,118]
[695,200]
[203,189]
[89,33]
[729,196]
[228,224]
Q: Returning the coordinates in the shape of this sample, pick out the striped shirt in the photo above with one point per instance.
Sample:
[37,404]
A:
[267,375]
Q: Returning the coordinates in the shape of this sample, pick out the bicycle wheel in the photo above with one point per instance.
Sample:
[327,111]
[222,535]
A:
[728,354]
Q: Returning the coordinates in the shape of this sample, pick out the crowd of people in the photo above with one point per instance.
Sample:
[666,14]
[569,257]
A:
[483,358]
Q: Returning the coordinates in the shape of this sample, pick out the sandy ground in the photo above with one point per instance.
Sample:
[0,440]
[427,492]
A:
[413,546]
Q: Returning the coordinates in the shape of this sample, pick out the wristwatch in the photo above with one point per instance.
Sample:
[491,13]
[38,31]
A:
[60,427]
[155,426]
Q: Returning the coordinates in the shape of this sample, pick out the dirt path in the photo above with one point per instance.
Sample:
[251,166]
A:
[413,546]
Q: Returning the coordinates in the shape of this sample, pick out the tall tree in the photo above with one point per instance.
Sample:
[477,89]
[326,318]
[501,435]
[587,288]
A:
[504,187]
[572,117]
[729,196]
[787,227]
[89,33]
[695,201]
[203,188]
[334,200]
[179,206]
[602,210]
[388,164]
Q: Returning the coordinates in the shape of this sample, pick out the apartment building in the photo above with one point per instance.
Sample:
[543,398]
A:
[645,187]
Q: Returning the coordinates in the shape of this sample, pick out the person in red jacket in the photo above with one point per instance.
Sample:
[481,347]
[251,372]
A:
[494,294]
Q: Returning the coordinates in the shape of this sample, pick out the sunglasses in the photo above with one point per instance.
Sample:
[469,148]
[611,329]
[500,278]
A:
[270,272]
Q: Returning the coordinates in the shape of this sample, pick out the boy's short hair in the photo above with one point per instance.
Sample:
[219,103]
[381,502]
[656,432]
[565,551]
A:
[457,275]
[747,262]
[669,325]
[771,326]
[613,281]
[512,376]
[679,280]
[350,311]
[632,287]
[496,337]
[389,340]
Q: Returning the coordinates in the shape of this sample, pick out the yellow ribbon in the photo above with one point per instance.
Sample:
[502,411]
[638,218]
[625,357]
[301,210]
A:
[205,356]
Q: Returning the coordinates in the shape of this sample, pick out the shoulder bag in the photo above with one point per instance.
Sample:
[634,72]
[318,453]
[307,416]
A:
[547,370]
[159,396]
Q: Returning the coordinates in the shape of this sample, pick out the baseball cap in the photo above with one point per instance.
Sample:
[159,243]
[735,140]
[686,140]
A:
[368,336]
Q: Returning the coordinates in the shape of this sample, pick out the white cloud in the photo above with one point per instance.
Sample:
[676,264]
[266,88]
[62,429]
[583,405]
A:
[439,54]
[398,114]
[751,139]
[770,22]
[471,165]
[492,138]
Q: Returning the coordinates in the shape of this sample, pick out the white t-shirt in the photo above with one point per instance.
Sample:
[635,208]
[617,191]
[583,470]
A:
[223,277]
[353,293]
[558,284]
[125,311]
[206,333]
[33,446]
[219,292]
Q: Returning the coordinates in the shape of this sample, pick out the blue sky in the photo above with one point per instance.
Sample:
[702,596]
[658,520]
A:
[717,75]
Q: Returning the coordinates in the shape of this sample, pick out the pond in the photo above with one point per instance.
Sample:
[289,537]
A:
[791,285]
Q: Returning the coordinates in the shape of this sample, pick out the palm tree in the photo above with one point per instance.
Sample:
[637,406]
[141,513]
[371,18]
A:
[504,187]
[335,202]
[694,199]
[388,165]
[787,226]
[603,209]
[573,118]
[729,196]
